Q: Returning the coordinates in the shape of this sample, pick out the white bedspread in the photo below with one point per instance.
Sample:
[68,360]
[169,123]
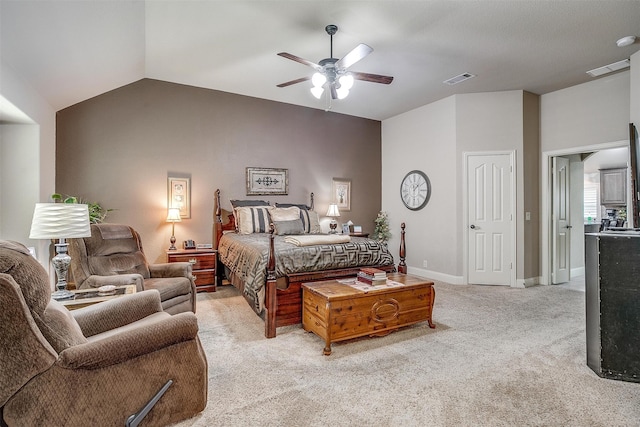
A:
[317,239]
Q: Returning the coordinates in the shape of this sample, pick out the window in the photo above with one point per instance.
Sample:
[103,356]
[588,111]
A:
[591,189]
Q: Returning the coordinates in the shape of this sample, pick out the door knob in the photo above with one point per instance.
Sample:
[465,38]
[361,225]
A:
[472,227]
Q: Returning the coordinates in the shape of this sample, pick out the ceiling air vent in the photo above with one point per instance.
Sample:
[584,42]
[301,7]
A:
[458,79]
[609,68]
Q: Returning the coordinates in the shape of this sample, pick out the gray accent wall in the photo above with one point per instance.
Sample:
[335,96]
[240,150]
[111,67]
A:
[119,148]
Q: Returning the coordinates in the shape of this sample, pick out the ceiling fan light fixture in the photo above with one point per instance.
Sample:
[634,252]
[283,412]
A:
[346,81]
[342,92]
[317,91]
[318,80]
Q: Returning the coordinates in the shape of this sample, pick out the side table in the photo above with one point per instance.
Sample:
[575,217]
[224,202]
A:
[354,234]
[203,263]
[86,297]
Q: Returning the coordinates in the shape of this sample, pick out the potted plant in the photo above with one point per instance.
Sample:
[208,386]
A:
[381,232]
[97,213]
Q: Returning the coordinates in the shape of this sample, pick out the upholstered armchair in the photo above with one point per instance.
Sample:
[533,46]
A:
[113,255]
[94,366]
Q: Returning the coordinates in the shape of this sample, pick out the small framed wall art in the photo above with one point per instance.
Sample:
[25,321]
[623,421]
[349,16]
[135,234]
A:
[341,193]
[179,195]
[271,181]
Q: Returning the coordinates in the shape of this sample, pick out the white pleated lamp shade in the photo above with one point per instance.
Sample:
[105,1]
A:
[60,220]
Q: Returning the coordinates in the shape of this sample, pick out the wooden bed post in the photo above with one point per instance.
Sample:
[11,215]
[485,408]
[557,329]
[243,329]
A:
[217,220]
[271,302]
[402,266]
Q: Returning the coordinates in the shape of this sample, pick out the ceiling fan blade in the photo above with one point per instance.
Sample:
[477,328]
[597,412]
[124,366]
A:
[292,82]
[375,78]
[354,56]
[300,60]
[334,92]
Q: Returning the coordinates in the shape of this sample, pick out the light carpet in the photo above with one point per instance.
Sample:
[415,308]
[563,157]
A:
[498,357]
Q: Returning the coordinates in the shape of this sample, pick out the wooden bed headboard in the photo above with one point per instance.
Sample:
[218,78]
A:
[224,220]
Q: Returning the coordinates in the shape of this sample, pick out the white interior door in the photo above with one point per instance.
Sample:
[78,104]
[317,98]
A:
[490,219]
[561,227]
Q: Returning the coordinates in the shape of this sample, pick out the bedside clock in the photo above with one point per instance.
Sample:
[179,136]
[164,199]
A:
[415,190]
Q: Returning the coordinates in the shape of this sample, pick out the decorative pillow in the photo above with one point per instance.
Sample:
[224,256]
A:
[253,219]
[285,214]
[310,221]
[242,203]
[289,227]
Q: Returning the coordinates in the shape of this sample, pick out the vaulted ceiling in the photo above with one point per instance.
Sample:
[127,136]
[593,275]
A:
[69,51]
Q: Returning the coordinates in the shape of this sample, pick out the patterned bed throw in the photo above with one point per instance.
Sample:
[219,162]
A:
[246,256]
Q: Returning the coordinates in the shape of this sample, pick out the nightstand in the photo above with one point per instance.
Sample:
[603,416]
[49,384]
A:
[359,234]
[203,264]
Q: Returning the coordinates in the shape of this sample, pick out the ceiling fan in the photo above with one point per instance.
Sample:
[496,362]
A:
[333,73]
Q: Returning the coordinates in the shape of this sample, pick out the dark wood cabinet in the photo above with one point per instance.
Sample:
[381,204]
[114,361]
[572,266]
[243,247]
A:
[203,262]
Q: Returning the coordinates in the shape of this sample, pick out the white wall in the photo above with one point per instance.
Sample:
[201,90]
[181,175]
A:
[587,114]
[424,139]
[433,139]
[593,113]
[18,179]
[42,167]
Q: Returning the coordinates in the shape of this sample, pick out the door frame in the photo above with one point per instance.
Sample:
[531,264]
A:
[555,232]
[546,240]
[465,211]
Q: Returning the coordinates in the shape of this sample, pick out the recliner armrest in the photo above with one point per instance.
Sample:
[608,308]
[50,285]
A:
[118,348]
[117,312]
[171,269]
[95,281]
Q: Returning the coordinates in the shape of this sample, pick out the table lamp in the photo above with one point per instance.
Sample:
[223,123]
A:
[333,213]
[60,221]
[173,216]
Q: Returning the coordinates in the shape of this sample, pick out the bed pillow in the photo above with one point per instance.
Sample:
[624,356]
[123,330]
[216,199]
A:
[252,219]
[241,203]
[291,227]
[310,221]
[285,214]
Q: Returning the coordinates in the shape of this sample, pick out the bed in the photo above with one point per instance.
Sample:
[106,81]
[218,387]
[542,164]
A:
[268,265]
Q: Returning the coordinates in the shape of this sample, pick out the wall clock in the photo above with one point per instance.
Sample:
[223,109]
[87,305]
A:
[415,190]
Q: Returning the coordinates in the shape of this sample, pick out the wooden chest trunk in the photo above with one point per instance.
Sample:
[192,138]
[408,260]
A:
[335,311]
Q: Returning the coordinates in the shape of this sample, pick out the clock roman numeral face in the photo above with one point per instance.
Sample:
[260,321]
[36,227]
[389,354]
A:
[415,190]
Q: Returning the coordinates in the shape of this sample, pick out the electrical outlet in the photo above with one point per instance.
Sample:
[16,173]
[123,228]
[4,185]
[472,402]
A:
[424,263]
[527,216]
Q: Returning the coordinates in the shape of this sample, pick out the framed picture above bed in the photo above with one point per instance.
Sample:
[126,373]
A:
[341,193]
[261,181]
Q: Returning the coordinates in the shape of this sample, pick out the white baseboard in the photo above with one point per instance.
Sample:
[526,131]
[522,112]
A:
[459,280]
[576,272]
[527,283]
[434,275]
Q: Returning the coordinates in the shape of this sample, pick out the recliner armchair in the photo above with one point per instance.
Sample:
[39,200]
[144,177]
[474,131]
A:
[113,255]
[94,366]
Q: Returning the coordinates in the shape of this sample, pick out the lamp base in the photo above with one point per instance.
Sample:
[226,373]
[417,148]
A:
[333,225]
[62,294]
[61,263]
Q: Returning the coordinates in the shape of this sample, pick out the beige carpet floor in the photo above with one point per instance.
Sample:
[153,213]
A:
[498,357]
